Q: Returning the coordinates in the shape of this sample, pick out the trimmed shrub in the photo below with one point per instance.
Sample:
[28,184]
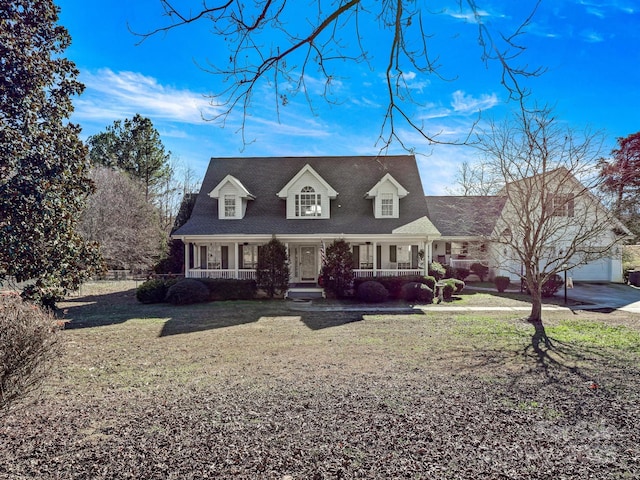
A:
[372,292]
[447,290]
[437,271]
[429,282]
[417,292]
[187,291]
[458,285]
[394,285]
[549,288]
[154,291]
[480,270]
[230,289]
[29,342]
[501,283]
[461,273]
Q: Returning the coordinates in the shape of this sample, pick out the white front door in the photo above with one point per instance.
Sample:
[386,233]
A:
[308,264]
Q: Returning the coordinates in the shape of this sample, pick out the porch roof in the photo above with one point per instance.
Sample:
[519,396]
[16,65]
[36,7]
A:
[465,216]
[351,213]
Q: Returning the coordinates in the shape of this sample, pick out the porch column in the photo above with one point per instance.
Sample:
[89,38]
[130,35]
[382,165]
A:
[375,259]
[186,258]
[427,256]
[237,255]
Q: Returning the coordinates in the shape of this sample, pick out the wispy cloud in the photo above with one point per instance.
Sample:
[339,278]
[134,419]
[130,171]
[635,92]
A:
[113,95]
[592,37]
[468,15]
[468,104]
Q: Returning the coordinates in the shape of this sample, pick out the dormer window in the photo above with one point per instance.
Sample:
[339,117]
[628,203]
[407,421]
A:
[308,203]
[386,204]
[386,195]
[229,206]
[232,198]
[308,195]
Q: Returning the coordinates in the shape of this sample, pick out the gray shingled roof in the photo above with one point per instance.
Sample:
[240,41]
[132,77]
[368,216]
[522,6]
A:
[351,212]
[465,216]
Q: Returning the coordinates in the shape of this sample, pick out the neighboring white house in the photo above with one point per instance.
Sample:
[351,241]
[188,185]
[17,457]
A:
[376,204]
[576,228]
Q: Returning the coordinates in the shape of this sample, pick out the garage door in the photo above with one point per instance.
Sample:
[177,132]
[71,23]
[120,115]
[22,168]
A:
[596,271]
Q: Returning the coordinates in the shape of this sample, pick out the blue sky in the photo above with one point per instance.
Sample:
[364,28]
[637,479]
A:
[589,48]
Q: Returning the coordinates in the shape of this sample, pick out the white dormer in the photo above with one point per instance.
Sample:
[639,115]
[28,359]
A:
[232,198]
[386,195]
[308,195]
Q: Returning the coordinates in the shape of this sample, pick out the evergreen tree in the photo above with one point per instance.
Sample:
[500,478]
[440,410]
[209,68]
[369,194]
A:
[337,271]
[273,267]
[43,170]
[135,147]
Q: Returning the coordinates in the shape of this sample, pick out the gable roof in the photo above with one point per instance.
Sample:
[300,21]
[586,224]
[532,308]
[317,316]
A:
[307,169]
[402,192]
[244,193]
[351,213]
[465,216]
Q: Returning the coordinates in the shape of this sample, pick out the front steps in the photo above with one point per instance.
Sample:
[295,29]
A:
[302,291]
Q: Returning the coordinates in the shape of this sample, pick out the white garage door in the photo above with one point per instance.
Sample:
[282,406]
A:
[596,271]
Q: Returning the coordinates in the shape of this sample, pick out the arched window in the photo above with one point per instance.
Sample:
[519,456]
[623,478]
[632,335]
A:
[308,203]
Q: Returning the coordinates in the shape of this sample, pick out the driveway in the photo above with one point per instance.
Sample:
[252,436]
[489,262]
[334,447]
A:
[607,295]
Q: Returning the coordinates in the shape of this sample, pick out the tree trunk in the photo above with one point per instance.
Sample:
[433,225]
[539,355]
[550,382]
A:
[536,306]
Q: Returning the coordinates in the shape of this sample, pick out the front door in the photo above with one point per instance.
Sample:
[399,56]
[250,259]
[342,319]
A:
[308,267]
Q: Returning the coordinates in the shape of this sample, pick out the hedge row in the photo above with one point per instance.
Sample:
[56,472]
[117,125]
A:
[191,290]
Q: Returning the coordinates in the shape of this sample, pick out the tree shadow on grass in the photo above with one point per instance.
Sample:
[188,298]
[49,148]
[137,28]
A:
[102,310]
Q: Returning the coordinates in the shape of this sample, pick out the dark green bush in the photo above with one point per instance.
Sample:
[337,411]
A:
[417,292]
[501,283]
[461,273]
[154,291]
[549,288]
[394,284]
[187,291]
[372,292]
[437,271]
[230,289]
[480,270]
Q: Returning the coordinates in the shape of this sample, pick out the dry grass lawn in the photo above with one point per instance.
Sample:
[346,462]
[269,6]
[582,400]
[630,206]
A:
[258,390]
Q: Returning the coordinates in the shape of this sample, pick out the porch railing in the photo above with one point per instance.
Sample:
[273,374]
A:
[240,274]
[465,263]
[388,272]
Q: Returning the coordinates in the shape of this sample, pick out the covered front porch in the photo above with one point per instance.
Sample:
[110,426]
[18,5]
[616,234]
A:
[239,259]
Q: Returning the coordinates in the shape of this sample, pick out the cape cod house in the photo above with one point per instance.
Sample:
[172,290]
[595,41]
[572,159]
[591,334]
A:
[376,204]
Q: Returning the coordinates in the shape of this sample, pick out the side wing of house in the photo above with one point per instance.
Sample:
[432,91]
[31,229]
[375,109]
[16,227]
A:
[578,231]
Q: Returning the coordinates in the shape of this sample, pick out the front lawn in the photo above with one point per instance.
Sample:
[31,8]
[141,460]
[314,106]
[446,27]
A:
[258,390]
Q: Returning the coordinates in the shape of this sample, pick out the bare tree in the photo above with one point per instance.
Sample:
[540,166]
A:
[286,44]
[553,218]
[120,219]
[477,179]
